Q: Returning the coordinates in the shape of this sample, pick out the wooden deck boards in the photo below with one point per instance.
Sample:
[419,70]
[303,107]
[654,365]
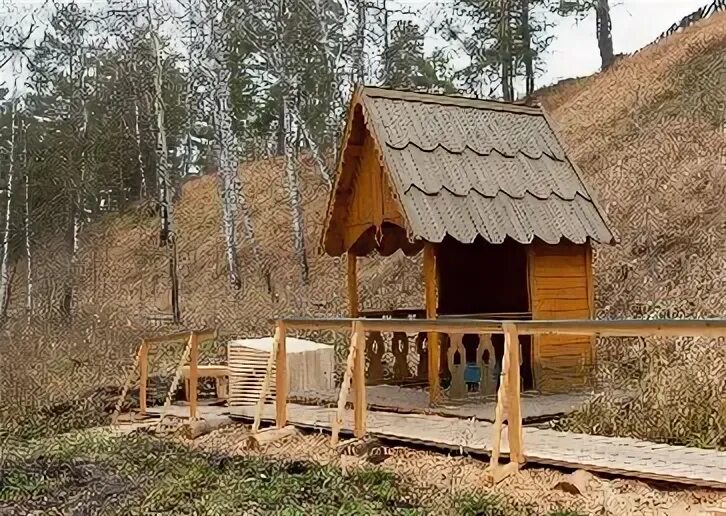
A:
[622,456]
[392,398]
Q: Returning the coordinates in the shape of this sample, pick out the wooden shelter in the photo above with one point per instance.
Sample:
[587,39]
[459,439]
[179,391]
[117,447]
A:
[503,217]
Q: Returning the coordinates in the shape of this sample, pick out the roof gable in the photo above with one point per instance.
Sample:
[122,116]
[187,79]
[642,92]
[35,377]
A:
[467,168]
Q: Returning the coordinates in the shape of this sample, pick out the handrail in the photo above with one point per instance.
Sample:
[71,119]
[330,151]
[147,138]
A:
[508,396]
[181,336]
[612,328]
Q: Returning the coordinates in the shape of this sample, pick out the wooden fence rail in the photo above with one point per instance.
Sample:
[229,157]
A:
[192,339]
[508,395]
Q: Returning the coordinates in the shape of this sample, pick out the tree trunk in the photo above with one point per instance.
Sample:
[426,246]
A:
[604,32]
[527,45]
[143,189]
[231,190]
[360,69]
[293,191]
[281,128]
[505,51]
[167,236]
[26,227]
[4,276]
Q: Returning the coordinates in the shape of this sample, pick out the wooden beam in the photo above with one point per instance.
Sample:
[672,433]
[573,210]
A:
[514,403]
[281,381]
[175,382]
[143,375]
[181,336]
[352,285]
[344,388]
[193,375]
[359,379]
[501,406]
[271,361]
[127,385]
[430,285]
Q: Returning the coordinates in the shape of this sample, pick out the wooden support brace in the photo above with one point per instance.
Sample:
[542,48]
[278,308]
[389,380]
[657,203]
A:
[175,382]
[345,386]
[127,384]
[266,382]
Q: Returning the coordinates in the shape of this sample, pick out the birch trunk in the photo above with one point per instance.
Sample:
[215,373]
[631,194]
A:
[139,157]
[26,227]
[162,165]
[4,276]
[231,188]
[167,236]
[293,191]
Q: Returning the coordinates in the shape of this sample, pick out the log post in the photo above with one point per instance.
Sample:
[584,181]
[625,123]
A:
[359,379]
[430,283]
[352,285]
[144,375]
[281,381]
[344,388]
[514,410]
[193,375]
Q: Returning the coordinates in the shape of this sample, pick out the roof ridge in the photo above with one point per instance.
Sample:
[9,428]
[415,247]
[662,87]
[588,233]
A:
[499,191]
[451,100]
[491,151]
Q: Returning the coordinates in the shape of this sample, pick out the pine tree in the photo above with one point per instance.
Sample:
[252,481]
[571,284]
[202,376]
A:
[603,23]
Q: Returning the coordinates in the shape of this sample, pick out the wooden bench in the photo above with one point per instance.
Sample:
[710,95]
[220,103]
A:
[220,374]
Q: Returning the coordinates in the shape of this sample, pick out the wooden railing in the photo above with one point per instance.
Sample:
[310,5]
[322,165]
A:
[508,396]
[192,338]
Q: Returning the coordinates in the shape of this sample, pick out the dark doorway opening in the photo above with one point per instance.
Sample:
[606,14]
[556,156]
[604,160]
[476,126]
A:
[483,280]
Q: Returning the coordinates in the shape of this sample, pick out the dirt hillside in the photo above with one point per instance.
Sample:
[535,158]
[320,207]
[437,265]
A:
[646,134]
[648,137]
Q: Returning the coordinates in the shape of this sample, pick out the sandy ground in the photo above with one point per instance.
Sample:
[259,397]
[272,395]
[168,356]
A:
[434,472]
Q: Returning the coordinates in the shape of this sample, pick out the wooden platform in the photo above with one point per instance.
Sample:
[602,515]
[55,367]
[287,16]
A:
[392,398]
[621,456]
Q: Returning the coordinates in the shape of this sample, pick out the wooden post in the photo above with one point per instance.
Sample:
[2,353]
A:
[359,379]
[144,375]
[193,375]
[271,362]
[352,285]
[281,382]
[429,266]
[500,408]
[514,407]
[344,388]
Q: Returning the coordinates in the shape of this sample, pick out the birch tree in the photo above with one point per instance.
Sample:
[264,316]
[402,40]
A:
[27,226]
[9,194]
[218,15]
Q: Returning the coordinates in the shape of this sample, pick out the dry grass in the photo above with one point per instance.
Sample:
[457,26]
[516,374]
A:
[645,134]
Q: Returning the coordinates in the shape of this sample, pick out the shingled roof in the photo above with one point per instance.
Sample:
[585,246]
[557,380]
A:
[466,168]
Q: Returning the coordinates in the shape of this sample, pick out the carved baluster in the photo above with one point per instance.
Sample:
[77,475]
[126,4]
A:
[458,382]
[486,361]
[375,348]
[423,356]
[399,348]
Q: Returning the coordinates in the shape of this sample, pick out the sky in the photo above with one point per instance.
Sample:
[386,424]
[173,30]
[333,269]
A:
[573,53]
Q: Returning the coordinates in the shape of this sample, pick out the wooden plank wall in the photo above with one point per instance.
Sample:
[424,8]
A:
[371,201]
[560,279]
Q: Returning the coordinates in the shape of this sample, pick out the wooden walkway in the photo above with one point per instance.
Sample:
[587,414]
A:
[621,456]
